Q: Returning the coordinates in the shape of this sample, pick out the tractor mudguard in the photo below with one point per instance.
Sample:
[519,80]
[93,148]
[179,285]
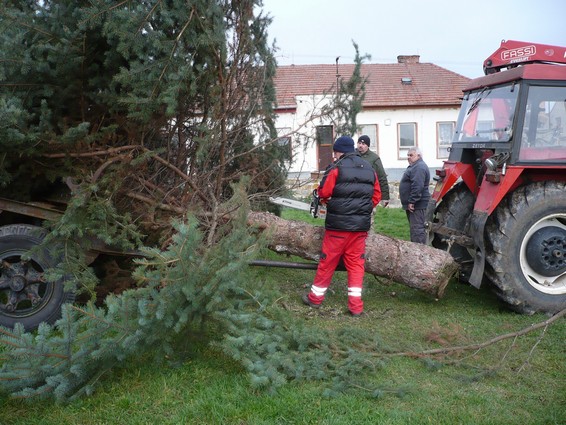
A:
[479,219]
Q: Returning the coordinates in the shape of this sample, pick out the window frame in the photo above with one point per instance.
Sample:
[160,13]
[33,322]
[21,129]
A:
[448,143]
[324,147]
[284,134]
[405,149]
[373,135]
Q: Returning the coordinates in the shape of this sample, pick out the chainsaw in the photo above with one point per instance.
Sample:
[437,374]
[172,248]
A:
[316,208]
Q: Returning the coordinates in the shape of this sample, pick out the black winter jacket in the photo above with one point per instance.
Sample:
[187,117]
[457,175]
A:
[351,203]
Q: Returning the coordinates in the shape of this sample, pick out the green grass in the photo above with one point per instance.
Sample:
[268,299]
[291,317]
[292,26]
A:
[525,384]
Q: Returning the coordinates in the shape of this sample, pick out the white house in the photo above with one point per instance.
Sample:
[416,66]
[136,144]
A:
[408,103]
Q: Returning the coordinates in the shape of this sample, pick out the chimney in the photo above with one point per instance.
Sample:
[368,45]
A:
[408,59]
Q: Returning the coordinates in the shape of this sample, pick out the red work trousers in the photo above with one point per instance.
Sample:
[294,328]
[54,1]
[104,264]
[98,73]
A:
[350,246]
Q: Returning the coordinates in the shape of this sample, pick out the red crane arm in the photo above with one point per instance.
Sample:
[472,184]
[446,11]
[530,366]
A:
[512,53]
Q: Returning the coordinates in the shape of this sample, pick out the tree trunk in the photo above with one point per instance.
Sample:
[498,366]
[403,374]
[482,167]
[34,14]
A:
[415,265]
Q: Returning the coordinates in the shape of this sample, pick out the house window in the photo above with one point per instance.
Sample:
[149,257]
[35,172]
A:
[444,134]
[284,142]
[407,138]
[324,135]
[371,131]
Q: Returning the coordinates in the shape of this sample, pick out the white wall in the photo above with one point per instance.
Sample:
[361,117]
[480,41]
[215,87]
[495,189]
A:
[426,120]
[305,121]
[303,125]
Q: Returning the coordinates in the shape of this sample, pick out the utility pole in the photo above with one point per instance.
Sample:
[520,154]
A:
[337,78]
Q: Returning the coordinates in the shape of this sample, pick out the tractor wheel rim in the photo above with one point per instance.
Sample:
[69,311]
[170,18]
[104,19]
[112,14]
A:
[543,265]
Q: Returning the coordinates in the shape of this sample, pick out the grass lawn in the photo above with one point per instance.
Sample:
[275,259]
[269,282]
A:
[518,381]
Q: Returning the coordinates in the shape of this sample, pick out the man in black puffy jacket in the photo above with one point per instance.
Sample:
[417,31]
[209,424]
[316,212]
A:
[350,189]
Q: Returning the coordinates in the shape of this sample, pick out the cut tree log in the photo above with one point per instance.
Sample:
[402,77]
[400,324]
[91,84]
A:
[415,265]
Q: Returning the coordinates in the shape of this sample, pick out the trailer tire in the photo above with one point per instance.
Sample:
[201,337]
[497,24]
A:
[25,297]
[455,212]
[526,248]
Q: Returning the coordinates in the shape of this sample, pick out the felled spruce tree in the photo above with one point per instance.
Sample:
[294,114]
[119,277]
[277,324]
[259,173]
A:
[179,289]
[182,290]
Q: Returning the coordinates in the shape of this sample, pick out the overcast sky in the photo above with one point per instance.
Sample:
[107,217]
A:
[454,34]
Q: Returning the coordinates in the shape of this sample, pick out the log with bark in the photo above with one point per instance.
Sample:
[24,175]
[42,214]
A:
[415,265]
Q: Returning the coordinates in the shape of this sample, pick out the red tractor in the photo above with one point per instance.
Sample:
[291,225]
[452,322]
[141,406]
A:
[499,205]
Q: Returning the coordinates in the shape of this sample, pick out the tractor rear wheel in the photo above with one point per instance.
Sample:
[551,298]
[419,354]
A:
[526,248]
[454,213]
[25,296]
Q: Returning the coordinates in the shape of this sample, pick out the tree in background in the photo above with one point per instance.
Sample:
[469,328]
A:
[349,99]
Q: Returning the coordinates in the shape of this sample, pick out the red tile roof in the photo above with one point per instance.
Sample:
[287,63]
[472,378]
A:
[430,85]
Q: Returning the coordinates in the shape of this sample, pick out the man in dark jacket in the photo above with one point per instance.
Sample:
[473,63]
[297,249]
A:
[350,189]
[414,194]
[370,156]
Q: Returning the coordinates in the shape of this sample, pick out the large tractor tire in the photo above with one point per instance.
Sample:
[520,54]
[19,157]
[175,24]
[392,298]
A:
[25,296]
[526,248]
[454,212]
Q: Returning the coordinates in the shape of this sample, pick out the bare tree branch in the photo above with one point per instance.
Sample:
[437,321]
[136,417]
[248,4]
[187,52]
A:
[479,346]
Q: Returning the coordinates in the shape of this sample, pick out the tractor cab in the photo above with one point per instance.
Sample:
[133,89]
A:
[512,118]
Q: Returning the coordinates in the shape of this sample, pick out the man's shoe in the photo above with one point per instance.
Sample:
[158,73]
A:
[309,302]
[357,314]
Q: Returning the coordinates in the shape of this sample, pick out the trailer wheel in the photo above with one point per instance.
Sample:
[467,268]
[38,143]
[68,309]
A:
[454,212]
[527,234]
[25,296]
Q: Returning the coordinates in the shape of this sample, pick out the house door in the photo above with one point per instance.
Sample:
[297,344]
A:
[324,142]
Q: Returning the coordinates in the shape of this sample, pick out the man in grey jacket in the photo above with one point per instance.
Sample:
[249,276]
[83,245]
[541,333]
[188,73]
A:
[414,194]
